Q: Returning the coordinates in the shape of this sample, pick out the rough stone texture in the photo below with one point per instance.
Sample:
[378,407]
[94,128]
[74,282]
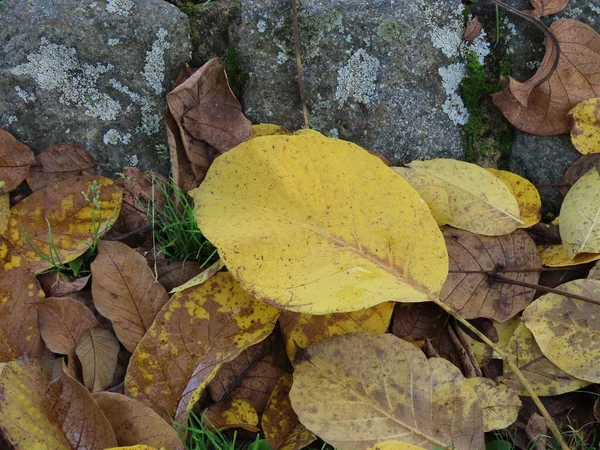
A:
[543,160]
[91,73]
[381,73]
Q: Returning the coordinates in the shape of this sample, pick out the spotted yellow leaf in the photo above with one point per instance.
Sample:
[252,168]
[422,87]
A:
[394,445]
[528,197]
[232,413]
[267,129]
[585,128]
[319,226]
[557,256]
[500,405]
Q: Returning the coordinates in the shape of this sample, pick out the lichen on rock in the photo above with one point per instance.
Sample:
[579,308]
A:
[357,78]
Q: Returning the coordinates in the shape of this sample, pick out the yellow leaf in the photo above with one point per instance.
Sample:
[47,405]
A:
[471,198]
[567,329]
[546,378]
[394,445]
[280,424]
[557,256]
[354,389]
[579,215]
[305,329]
[500,405]
[528,197]
[318,225]
[585,128]
[201,277]
[267,129]
[193,334]
[505,331]
[232,413]
[4,212]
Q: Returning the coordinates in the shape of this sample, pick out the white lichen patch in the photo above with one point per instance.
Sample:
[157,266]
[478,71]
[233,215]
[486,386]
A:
[113,137]
[447,37]
[154,68]
[595,9]
[281,58]
[120,7]
[27,97]
[113,41]
[454,106]
[480,46]
[133,160]
[261,26]
[56,67]
[357,78]
[12,119]
[150,121]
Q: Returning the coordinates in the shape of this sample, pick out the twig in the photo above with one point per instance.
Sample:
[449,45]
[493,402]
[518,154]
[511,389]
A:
[467,363]
[299,63]
[462,336]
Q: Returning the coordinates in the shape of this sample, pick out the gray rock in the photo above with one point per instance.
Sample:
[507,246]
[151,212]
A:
[543,160]
[91,73]
[381,73]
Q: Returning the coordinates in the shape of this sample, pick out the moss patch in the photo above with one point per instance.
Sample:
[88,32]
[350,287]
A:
[236,76]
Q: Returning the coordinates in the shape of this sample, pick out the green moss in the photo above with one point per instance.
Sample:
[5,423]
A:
[389,31]
[236,76]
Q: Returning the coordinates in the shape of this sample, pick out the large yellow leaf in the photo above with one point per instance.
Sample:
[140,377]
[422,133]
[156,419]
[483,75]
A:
[545,378]
[500,405]
[42,408]
[357,389]
[567,329]
[317,225]
[71,217]
[304,329]
[465,196]
[585,128]
[580,215]
[528,197]
[194,333]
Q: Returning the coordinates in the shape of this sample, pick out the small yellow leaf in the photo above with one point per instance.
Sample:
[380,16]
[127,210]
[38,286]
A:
[500,405]
[566,329]
[232,413]
[474,199]
[201,277]
[585,128]
[319,226]
[267,129]
[557,256]
[4,212]
[579,215]
[528,197]
[394,445]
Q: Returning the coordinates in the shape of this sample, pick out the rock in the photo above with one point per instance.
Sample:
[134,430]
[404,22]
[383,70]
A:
[93,73]
[383,74]
[543,160]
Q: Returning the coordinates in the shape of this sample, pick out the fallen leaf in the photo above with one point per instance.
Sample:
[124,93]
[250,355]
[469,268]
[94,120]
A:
[43,408]
[125,291]
[500,405]
[174,273]
[545,378]
[503,331]
[186,175]
[536,430]
[579,168]
[465,196]
[394,445]
[15,160]
[528,197]
[585,128]
[57,163]
[136,447]
[280,423]
[4,212]
[135,423]
[418,321]
[547,7]
[57,284]
[557,256]
[97,350]
[357,388]
[579,224]
[62,322]
[470,292]
[267,129]
[302,330]
[472,30]
[232,413]
[63,208]
[343,251]
[194,333]
[201,277]
[544,111]
[595,272]
[566,328]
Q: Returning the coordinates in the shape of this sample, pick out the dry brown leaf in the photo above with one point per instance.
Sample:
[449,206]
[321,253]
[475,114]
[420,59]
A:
[43,408]
[536,431]
[97,350]
[468,290]
[57,163]
[184,172]
[59,285]
[135,423]
[543,109]
[175,273]
[418,321]
[472,30]
[125,291]
[232,413]
[15,160]
[547,7]
[578,169]
[62,323]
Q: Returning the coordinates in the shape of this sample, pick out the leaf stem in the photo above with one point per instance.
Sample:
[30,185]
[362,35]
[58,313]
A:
[299,63]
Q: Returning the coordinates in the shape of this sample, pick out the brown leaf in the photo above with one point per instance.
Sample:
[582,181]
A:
[232,413]
[252,375]
[42,407]
[135,423]
[184,175]
[62,323]
[418,321]
[547,7]
[15,160]
[472,30]
[174,273]
[580,167]
[125,291]
[543,109]
[57,284]
[280,423]
[468,290]
[19,326]
[57,163]
[536,430]
[97,350]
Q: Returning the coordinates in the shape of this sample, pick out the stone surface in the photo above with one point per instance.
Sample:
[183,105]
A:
[92,74]
[381,73]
